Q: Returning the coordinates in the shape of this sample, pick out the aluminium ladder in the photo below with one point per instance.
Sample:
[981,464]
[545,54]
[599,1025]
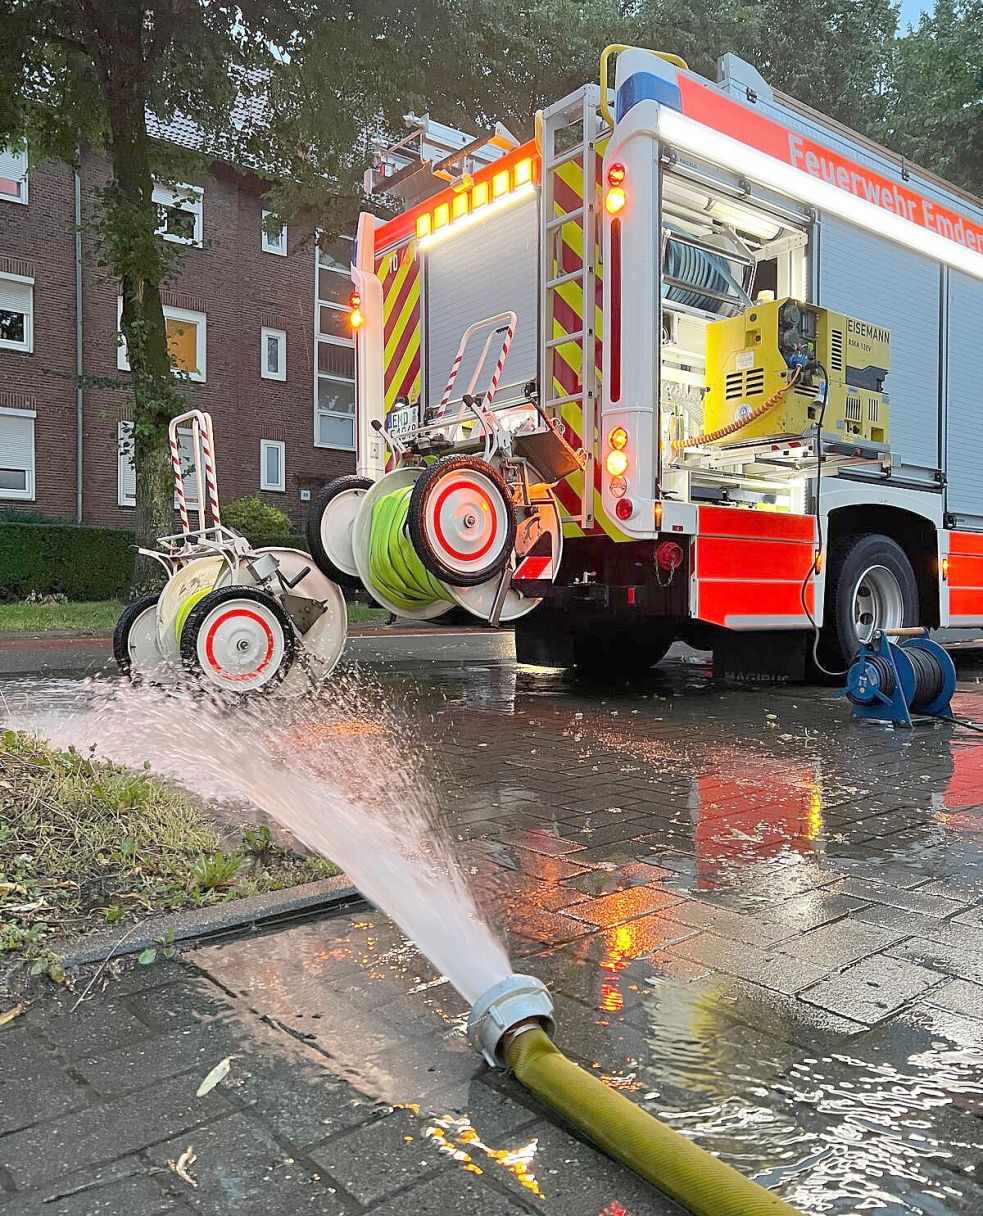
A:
[571,131]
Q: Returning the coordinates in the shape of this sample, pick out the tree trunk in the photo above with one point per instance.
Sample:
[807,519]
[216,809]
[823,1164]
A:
[135,253]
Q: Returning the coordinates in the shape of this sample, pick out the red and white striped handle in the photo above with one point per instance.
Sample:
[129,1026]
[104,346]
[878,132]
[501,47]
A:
[203,454]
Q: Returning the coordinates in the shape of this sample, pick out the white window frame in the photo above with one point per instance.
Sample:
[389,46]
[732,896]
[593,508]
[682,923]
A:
[281,249]
[27,494]
[27,346]
[126,472]
[198,319]
[330,340]
[265,333]
[14,159]
[264,446]
[184,197]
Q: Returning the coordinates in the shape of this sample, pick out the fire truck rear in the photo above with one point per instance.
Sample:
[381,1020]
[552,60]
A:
[695,362]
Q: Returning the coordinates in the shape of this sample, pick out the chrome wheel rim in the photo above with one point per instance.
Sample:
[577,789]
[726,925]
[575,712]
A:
[878,602]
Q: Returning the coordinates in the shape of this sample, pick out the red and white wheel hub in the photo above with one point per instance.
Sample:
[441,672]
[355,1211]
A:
[240,645]
[466,522]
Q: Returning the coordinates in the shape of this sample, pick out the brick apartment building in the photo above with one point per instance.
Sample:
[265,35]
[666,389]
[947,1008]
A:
[258,323]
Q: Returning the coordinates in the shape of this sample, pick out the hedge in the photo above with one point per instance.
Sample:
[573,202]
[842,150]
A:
[80,563]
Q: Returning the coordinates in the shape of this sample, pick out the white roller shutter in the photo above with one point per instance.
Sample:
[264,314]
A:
[491,267]
[964,407]
[874,280]
[16,295]
[16,453]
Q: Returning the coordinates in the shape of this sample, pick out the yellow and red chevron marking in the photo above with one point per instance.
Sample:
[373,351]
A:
[567,359]
[399,273]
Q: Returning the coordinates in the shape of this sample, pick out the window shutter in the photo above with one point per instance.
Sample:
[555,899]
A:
[13,163]
[17,441]
[127,473]
[16,296]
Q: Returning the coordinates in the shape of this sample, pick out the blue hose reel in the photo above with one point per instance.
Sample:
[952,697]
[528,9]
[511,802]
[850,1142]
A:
[899,681]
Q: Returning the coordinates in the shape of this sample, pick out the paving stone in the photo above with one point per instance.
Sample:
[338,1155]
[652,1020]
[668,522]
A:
[871,990]
[100,1133]
[958,996]
[179,1004]
[458,1192]
[948,959]
[835,945]
[49,1093]
[24,1053]
[380,1157]
[241,1170]
[972,916]
[621,906]
[95,1026]
[121,1188]
[771,969]
[725,922]
[196,1048]
[872,890]
[909,924]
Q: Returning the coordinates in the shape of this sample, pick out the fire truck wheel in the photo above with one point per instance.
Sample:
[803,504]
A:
[135,646]
[870,585]
[329,528]
[238,640]
[461,520]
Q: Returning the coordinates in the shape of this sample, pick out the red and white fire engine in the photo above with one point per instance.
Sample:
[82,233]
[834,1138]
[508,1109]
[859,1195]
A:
[696,361]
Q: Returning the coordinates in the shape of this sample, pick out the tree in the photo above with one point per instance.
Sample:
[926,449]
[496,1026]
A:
[936,111]
[95,73]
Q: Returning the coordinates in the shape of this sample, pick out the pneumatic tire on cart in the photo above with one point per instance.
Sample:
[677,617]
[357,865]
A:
[238,640]
[329,528]
[870,585]
[461,520]
[135,646]
[619,654]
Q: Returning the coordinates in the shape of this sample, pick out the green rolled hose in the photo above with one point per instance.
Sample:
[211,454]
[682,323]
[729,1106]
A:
[394,567]
[698,1181]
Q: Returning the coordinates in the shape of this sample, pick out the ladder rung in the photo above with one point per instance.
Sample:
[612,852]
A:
[569,277]
[568,400]
[559,220]
[566,340]
[566,157]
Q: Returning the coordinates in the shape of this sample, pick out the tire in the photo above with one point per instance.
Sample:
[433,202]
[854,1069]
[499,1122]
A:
[263,643]
[482,496]
[620,654]
[870,585]
[322,516]
[123,640]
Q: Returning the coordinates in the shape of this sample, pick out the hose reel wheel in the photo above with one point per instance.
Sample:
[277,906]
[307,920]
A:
[461,521]
[330,524]
[135,646]
[238,639]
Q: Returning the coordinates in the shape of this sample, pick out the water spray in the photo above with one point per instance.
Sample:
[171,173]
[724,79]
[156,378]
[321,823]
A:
[512,1025]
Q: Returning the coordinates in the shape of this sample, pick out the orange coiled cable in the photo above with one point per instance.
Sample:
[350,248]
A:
[678,445]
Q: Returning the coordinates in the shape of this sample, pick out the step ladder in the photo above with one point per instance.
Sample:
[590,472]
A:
[571,131]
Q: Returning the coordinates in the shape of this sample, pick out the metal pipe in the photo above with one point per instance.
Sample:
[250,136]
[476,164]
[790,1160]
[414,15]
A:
[79,397]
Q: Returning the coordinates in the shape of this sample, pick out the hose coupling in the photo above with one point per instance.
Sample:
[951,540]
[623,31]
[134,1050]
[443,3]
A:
[505,1007]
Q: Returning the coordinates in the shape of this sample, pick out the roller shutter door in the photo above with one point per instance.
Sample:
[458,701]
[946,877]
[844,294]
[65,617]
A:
[874,280]
[964,408]
[490,267]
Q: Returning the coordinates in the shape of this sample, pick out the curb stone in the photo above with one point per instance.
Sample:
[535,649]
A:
[253,911]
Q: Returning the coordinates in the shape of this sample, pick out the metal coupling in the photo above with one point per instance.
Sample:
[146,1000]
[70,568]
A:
[503,1008]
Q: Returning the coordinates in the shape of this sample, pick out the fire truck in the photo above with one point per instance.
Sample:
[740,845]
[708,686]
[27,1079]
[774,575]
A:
[695,362]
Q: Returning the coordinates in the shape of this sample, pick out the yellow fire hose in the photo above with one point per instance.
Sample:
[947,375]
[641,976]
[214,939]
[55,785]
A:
[698,1181]
[394,566]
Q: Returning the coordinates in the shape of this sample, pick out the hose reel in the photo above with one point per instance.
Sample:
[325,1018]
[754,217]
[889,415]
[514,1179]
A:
[899,681]
[425,538]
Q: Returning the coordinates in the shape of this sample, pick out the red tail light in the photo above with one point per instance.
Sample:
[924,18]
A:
[624,508]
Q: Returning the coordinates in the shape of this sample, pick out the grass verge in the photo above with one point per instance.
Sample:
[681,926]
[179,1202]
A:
[84,844]
[94,616]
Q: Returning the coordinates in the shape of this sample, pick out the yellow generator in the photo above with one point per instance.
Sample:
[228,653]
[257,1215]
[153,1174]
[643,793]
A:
[752,356]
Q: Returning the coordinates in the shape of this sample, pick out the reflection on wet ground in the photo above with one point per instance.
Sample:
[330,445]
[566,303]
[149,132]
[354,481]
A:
[761,920]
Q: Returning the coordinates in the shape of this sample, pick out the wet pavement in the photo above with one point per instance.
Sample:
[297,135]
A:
[762,921]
